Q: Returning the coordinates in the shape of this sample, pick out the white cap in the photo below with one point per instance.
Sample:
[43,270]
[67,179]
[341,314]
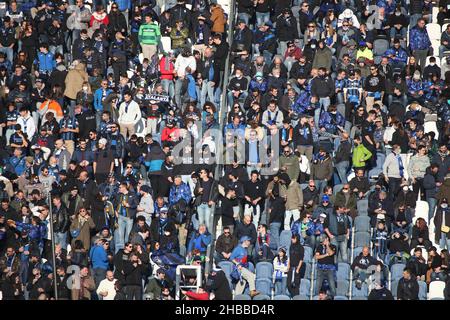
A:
[380,216]
[103,141]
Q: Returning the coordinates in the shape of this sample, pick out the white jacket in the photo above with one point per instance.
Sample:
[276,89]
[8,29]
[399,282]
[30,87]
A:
[182,63]
[28,126]
[108,286]
[132,116]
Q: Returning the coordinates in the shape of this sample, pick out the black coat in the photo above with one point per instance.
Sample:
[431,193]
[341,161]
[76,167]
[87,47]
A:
[408,289]
[61,220]
[219,285]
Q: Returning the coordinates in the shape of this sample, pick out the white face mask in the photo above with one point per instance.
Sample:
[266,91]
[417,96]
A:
[432,64]
[85,88]
[405,188]
[313,46]
[444,205]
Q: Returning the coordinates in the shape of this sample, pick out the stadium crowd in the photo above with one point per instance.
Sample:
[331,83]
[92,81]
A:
[113,114]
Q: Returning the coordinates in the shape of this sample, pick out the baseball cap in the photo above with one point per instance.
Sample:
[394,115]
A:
[325,198]
[244,238]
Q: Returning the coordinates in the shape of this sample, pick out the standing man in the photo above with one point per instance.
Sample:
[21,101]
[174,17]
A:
[420,42]
[129,115]
[206,193]
[126,203]
[149,37]
[325,264]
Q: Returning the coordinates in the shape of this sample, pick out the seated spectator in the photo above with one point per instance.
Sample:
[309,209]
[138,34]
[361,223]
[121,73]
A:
[280,270]
[408,288]
[418,265]
[239,257]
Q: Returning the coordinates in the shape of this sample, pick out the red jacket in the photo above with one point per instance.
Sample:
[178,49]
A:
[197,296]
[166,74]
[166,132]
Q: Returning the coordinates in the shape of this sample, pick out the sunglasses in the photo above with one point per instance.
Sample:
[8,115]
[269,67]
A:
[128,167]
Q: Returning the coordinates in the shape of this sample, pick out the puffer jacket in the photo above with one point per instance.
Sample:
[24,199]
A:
[419,39]
[418,166]
[74,81]
[322,169]
[218,19]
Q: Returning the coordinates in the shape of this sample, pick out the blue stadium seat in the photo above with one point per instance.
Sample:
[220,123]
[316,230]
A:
[342,287]
[308,254]
[281,297]
[397,271]
[242,297]
[251,267]
[343,271]
[285,238]
[356,252]
[362,223]
[359,298]
[301,297]
[337,188]
[362,239]
[340,298]
[305,287]
[227,267]
[264,270]
[360,293]
[264,286]
[260,297]
[394,286]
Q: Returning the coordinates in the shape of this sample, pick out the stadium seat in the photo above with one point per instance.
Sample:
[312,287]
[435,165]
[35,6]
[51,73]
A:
[300,297]
[343,271]
[362,239]
[264,270]
[264,286]
[242,297]
[434,31]
[356,252]
[337,188]
[342,287]
[260,297]
[340,298]
[359,298]
[430,126]
[285,238]
[305,287]
[226,266]
[422,290]
[394,287]
[251,267]
[421,210]
[436,290]
[281,297]
[308,254]
[363,292]
[166,43]
[438,61]
[380,46]
[362,223]
[397,271]
[362,206]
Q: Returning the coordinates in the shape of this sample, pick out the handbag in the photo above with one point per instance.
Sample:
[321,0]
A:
[444,227]
[75,233]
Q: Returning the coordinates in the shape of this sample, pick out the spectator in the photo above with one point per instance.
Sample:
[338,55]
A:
[408,288]
[326,267]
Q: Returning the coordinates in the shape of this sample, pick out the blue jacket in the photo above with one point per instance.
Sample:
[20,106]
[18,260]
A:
[400,55]
[181,192]
[98,98]
[123,4]
[419,39]
[261,86]
[46,62]
[199,242]
[191,90]
[99,257]
[303,103]
[327,122]
[35,232]
[16,165]
[415,86]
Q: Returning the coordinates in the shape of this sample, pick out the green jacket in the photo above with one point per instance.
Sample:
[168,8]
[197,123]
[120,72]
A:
[360,156]
[149,34]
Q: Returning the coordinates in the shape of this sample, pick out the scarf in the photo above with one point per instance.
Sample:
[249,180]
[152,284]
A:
[166,64]
[400,165]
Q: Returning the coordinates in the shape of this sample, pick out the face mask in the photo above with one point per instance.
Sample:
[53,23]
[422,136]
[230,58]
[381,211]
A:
[85,88]
[313,46]
[405,189]
[444,206]
[345,28]
[334,112]
[432,64]
[398,14]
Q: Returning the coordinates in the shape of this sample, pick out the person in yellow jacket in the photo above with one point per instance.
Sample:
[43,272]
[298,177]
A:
[365,52]
[360,154]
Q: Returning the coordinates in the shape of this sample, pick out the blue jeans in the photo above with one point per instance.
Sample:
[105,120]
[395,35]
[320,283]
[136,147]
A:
[342,168]
[317,113]
[99,275]
[204,215]
[329,275]
[280,286]
[320,184]
[9,53]
[123,232]
[275,235]
[444,242]
[342,250]
[61,238]
[262,17]
[324,103]
[431,206]
[168,87]
[206,92]
[244,16]
[402,33]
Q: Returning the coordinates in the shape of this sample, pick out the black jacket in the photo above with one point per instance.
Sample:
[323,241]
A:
[133,273]
[408,289]
[221,54]
[218,283]
[287,29]
[343,152]
[246,230]
[61,220]
[120,259]
[380,294]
